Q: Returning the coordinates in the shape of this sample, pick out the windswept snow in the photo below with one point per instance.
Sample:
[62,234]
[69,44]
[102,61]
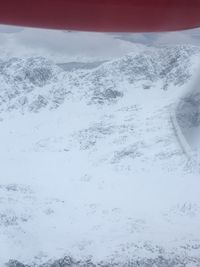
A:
[91,169]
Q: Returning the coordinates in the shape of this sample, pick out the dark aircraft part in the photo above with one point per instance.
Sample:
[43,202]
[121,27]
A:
[102,15]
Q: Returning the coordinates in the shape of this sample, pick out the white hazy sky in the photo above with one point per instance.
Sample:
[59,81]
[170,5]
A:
[66,46]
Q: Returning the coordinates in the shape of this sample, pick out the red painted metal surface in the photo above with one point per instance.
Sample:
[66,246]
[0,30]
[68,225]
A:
[102,15]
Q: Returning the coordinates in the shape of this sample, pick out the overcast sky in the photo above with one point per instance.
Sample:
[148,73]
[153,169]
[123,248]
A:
[67,46]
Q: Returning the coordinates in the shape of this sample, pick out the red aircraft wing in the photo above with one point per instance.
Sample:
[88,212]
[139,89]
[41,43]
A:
[102,15]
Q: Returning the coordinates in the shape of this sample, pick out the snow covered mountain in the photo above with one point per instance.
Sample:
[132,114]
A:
[92,173]
[35,83]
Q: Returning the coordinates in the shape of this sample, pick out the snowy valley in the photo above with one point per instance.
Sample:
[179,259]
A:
[92,172]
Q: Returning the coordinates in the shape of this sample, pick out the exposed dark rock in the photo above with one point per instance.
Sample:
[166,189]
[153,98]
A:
[14,263]
[159,261]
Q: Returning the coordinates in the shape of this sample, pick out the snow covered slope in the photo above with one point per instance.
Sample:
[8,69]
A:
[92,173]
